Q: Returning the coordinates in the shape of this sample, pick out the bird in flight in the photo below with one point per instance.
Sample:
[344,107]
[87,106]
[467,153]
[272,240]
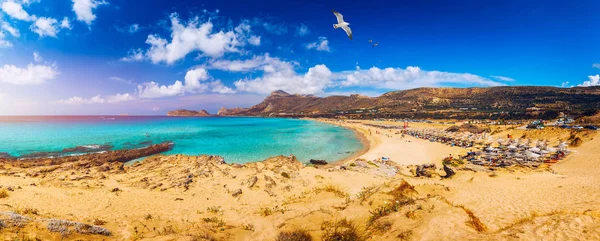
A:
[375,44]
[342,24]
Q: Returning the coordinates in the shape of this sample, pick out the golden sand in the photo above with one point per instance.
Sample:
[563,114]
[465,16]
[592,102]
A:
[199,198]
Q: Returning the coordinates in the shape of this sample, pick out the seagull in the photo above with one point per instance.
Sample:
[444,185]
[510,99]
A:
[342,24]
[375,45]
[370,41]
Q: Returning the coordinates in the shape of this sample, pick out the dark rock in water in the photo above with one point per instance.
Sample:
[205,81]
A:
[5,155]
[237,193]
[449,171]
[318,162]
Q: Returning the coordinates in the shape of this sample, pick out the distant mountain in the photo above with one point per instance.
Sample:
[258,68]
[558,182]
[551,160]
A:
[183,112]
[506,102]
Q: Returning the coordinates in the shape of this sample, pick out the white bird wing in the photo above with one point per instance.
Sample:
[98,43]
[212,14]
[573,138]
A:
[339,16]
[348,31]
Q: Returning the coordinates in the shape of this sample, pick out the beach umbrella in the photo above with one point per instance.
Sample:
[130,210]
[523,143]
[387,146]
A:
[534,149]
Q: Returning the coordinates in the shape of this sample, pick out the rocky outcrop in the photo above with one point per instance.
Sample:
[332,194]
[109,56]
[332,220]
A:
[318,162]
[449,171]
[425,170]
[183,112]
[234,111]
[89,160]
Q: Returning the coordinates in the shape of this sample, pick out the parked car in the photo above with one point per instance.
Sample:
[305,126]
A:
[591,127]
[578,127]
[565,127]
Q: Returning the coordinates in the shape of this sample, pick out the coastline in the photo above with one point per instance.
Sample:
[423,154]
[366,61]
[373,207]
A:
[367,144]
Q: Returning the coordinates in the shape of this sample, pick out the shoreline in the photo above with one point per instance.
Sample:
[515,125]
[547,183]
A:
[364,140]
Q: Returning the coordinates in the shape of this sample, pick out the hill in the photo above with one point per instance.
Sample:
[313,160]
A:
[506,102]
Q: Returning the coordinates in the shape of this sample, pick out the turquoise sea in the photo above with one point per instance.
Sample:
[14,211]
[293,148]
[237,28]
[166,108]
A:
[238,139]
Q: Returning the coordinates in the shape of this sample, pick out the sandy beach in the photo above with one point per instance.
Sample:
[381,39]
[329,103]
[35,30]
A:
[202,198]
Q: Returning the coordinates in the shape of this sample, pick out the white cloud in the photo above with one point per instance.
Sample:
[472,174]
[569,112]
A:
[126,81]
[191,37]
[564,84]
[264,62]
[37,57]
[254,40]
[84,9]
[32,75]
[593,81]
[15,10]
[321,45]
[65,23]
[503,78]
[302,30]
[193,79]
[119,98]
[197,81]
[133,28]
[98,99]
[13,31]
[314,81]
[411,77]
[155,90]
[45,27]
[596,65]
[134,55]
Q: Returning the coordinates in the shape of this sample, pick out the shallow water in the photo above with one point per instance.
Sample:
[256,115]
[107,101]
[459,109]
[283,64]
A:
[238,139]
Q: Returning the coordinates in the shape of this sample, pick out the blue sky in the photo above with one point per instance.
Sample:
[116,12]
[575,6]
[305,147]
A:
[117,57]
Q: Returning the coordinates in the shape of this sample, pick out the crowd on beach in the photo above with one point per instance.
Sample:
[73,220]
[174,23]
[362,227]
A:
[490,151]
[486,150]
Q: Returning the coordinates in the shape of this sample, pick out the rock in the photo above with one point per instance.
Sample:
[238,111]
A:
[270,182]
[425,170]
[252,181]
[237,193]
[183,112]
[116,189]
[318,162]
[449,171]
[178,199]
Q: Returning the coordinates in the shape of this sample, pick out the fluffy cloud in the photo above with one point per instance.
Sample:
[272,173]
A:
[84,9]
[593,81]
[313,82]
[134,55]
[13,31]
[596,65]
[197,80]
[265,63]
[321,45]
[411,77]
[45,27]
[37,57]
[32,75]
[503,78]
[254,40]
[191,37]
[15,10]
[154,90]
[65,23]
[193,79]
[302,30]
